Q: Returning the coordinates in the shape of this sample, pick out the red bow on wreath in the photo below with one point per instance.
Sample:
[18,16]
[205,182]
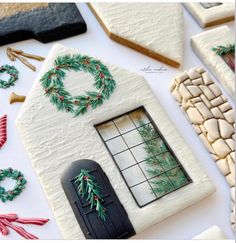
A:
[6,221]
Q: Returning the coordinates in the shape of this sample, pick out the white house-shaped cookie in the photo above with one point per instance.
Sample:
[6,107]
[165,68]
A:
[54,139]
[155,29]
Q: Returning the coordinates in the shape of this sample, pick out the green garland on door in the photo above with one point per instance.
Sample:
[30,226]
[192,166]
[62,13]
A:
[13,73]
[52,82]
[20,184]
[87,186]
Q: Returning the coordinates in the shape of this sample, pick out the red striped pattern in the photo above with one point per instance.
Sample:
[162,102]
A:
[6,221]
[3,130]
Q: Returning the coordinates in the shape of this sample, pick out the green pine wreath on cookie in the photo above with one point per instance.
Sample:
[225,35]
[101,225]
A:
[52,82]
[13,76]
[19,186]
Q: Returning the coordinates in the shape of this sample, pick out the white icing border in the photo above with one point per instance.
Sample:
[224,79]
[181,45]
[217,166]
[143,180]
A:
[55,139]
[212,233]
[205,16]
[203,43]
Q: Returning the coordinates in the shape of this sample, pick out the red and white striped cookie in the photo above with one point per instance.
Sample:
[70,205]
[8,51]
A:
[3,130]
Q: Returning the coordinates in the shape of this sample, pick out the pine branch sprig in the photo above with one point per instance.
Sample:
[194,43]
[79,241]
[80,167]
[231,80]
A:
[223,50]
[87,186]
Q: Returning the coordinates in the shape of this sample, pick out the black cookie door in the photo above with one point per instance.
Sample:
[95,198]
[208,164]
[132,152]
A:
[110,221]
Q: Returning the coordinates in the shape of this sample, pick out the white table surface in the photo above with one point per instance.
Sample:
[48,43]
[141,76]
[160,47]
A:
[33,203]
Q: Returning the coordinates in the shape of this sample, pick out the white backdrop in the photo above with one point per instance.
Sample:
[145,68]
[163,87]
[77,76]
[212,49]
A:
[33,203]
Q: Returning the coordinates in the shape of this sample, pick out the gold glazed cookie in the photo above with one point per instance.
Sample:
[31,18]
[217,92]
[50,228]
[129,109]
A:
[211,116]
[155,30]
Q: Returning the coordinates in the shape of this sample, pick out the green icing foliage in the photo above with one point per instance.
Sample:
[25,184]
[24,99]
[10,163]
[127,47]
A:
[89,189]
[52,82]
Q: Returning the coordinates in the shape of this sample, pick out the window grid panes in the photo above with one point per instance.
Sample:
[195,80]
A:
[210,5]
[147,164]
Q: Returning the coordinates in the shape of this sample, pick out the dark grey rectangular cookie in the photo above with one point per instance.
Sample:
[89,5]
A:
[52,22]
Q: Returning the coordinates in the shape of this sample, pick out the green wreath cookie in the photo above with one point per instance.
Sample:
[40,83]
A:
[13,73]
[52,82]
[19,186]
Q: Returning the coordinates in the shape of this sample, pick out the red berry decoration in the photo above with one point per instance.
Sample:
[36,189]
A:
[86,62]
[61,98]
[101,75]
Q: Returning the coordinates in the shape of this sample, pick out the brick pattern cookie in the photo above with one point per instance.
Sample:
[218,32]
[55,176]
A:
[44,22]
[209,14]
[155,29]
[206,45]
[213,233]
[212,118]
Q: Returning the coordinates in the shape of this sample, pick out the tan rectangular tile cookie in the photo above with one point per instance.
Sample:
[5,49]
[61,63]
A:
[211,116]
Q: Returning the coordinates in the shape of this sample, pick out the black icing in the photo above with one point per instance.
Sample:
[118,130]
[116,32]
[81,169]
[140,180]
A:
[117,224]
[55,22]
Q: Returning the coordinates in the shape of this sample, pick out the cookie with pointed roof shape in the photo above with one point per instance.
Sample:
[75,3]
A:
[154,29]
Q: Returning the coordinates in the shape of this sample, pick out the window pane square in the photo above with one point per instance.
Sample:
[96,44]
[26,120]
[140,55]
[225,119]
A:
[167,160]
[161,185]
[143,193]
[148,132]
[156,146]
[138,116]
[177,177]
[133,175]
[139,152]
[116,145]
[133,138]
[151,167]
[124,159]
[108,130]
[124,124]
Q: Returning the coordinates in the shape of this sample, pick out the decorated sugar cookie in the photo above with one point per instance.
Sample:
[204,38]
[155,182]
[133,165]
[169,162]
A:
[3,130]
[7,222]
[44,22]
[213,233]
[212,13]
[115,169]
[212,117]
[216,49]
[9,195]
[154,29]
